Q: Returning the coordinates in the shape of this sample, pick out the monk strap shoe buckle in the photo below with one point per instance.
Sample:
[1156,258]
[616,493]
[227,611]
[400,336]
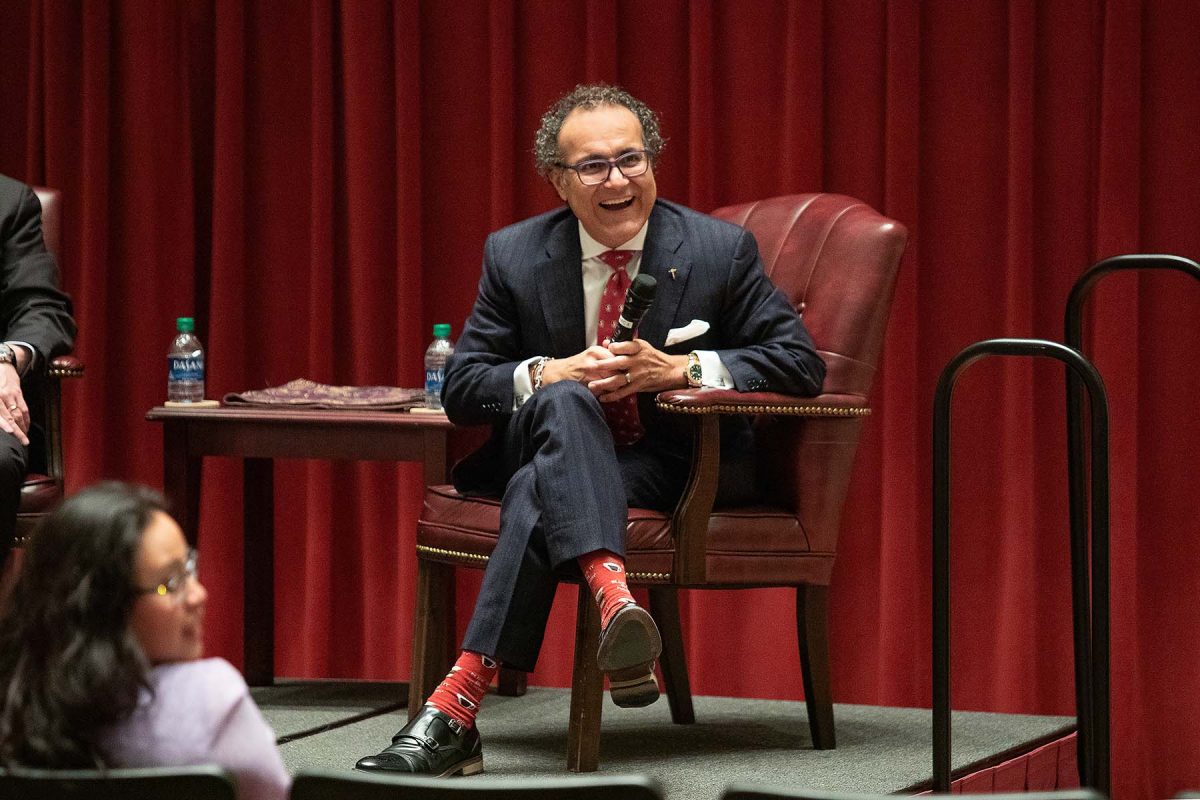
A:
[433,744]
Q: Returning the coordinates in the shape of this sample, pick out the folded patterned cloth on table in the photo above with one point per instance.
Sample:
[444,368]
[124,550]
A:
[302,393]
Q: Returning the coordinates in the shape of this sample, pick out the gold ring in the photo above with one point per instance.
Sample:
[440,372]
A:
[15,407]
[628,380]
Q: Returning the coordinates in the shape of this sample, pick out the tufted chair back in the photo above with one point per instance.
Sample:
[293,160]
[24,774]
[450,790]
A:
[835,258]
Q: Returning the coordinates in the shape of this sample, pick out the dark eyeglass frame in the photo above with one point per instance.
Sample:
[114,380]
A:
[646,156]
[174,585]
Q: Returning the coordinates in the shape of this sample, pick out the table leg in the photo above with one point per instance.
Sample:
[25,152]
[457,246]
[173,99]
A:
[435,457]
[181,480]
[434,448]
[258,552]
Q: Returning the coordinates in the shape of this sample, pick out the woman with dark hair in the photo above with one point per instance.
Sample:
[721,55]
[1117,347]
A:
[100,652]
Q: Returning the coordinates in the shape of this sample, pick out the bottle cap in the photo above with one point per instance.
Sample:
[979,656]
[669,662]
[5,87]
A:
[441,330]
[185,324]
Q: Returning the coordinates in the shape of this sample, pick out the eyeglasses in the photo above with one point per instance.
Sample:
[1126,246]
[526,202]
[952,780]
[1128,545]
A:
[595,171]
[173,586]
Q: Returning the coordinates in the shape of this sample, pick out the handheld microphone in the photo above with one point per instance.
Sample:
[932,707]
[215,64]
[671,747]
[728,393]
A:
[637,300]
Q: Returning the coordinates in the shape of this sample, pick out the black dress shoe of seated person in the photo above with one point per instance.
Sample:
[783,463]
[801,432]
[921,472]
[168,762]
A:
[431,744]
[629,646]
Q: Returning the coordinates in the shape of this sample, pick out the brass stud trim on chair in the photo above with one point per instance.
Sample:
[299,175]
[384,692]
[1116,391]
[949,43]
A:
[794,411]
[65,372]
[439,551]
[661,577]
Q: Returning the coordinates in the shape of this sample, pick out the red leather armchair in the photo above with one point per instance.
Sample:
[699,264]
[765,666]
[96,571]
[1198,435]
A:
[43,488]
[836,260]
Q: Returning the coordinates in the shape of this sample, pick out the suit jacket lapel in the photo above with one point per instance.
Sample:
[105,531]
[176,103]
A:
[664,251]
[560,289]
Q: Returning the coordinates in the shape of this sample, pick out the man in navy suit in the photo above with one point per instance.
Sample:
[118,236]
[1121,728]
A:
[576,439]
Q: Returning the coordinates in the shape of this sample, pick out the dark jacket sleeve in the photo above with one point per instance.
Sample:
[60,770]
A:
[478,386]
[32,307]
[766,347]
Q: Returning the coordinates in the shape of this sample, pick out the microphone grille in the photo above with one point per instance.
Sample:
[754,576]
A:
[644,287]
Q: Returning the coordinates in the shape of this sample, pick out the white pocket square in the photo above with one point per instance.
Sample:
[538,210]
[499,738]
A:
[690,331]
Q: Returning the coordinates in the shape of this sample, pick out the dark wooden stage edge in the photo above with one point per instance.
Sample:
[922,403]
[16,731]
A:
[1036,767]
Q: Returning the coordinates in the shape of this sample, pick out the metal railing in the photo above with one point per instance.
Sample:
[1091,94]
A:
[1098,668]
[1089,582]
[1092,701]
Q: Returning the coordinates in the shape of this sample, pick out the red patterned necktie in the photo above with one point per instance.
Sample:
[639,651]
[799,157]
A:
[622,415]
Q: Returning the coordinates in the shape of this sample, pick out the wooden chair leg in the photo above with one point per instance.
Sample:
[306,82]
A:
[812,615]
[587,689]
[664,607]
[433,631]
[512,682]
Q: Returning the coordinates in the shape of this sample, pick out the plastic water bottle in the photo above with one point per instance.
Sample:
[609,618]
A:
[185,364]
[435,364]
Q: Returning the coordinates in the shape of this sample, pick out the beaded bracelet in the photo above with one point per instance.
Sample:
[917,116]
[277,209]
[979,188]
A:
[537,372]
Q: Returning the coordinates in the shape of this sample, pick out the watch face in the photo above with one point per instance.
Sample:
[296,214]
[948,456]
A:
[695,373]
[7,356]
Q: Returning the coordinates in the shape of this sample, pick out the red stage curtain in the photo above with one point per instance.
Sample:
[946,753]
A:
[314,182]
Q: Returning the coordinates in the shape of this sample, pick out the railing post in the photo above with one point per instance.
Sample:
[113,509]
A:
[1092,700]
[1095,668]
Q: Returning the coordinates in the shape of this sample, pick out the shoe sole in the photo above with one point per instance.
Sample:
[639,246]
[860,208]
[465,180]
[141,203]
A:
[633,688]
[627,656]
[632,641]
[472,766]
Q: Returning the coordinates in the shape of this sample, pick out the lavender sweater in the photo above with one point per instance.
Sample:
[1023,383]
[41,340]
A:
[201,713]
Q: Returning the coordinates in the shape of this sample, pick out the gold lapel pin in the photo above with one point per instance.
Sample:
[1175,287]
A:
[672,270]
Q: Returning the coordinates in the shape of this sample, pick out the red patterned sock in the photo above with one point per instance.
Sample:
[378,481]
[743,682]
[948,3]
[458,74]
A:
[462,690]
[605,576]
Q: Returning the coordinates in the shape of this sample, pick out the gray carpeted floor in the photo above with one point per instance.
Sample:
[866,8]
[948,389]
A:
[330,725]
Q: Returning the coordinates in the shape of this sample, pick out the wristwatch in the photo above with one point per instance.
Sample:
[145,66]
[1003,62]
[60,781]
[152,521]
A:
[7,355]
[694,372]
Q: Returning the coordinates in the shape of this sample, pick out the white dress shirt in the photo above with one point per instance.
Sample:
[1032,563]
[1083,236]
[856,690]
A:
[595,276]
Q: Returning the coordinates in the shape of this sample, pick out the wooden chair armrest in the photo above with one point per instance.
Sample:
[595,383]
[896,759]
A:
[65,367]
[730,401]
[690,520]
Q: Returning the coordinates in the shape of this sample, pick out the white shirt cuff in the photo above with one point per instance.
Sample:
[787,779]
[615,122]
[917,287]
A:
[714,371]
[522,385]
[33,356]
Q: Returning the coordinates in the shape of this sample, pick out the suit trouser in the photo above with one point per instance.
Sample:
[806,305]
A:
[14,458]
[568,494]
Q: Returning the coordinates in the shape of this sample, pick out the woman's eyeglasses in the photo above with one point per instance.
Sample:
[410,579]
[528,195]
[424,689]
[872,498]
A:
[173,586]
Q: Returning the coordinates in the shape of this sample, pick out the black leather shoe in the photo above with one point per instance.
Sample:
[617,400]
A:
[628,648]
[431,744]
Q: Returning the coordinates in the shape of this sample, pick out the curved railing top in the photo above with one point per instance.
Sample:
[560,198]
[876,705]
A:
[1019,347]
[1073,324]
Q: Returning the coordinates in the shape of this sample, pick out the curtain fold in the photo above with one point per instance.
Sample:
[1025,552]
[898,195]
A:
[314,182]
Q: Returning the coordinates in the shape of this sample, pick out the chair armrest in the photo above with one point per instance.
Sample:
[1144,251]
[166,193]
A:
[731,401]
[65,367]
[690,519]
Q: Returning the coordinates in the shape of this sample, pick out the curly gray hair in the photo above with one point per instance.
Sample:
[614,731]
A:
[545,149]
